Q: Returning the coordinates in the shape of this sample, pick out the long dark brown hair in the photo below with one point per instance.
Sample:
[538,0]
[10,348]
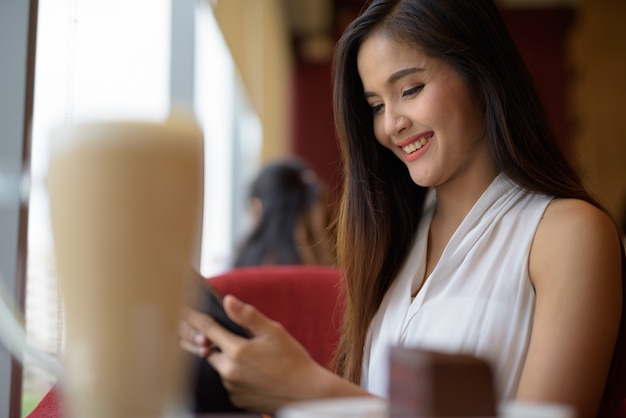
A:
[381,207]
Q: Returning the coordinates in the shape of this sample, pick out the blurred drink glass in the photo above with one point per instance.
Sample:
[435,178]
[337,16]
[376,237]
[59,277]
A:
[124,204]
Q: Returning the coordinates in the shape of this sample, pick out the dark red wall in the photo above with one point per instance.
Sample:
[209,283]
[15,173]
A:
[540,35]
[313,131]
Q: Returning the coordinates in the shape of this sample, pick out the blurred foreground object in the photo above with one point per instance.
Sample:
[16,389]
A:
[124,200]
[351,407]
[433,384]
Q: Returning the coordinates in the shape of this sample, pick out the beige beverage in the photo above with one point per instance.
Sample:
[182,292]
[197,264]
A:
[124,200]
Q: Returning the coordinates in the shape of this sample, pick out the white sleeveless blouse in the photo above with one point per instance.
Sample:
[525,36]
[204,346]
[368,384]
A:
[478,300]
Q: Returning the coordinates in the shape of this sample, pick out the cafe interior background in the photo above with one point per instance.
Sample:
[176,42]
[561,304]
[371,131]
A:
[257,74]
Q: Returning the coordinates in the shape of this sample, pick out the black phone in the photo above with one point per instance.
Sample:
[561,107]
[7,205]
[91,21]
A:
[211,304]
[206,387]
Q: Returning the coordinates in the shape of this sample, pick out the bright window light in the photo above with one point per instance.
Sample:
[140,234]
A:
[95,60]
[232,132]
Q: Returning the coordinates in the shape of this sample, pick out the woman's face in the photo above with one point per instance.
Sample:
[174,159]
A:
[423,111]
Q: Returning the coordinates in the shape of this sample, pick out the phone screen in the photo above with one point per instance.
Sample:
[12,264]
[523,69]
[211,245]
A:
[211,304]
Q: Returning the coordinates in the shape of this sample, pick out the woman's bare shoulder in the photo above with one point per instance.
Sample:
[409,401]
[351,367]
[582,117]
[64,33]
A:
[577,218]
[575,233]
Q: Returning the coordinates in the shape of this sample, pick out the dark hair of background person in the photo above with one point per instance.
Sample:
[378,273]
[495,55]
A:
[286,190]
[381,207]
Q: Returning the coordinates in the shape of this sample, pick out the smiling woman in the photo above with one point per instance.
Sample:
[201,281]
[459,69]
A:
[482,242]
[479,170]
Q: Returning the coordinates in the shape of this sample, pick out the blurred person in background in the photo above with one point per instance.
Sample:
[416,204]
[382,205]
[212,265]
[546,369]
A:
[291,218]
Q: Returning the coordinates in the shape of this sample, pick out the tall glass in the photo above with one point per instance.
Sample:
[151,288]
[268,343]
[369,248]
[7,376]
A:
[124,201]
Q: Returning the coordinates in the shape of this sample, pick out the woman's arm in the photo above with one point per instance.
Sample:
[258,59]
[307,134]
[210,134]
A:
[575,266]
[267,371]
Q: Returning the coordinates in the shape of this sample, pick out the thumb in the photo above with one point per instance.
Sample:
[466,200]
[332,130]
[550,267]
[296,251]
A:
[246,315]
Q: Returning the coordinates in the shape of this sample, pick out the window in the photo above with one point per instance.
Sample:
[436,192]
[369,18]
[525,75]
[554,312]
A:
[232,144]
[111,60]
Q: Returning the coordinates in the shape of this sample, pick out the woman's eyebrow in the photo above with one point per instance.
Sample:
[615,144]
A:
[402,73]
[395,77]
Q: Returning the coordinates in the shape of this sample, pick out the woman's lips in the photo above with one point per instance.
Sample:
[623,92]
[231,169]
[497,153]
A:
[416,145]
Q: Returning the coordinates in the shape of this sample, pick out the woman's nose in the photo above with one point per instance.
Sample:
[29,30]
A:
[395,122]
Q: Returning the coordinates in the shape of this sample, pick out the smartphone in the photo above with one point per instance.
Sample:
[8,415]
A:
[211,303]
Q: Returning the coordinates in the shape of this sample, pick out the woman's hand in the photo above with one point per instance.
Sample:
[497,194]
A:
[264,372]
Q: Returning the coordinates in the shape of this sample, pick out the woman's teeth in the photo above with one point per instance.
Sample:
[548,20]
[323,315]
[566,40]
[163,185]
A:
[415,145]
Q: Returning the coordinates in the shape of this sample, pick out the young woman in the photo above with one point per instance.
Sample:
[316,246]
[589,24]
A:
[462,227]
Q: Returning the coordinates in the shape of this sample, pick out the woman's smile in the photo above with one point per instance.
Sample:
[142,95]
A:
[415,146]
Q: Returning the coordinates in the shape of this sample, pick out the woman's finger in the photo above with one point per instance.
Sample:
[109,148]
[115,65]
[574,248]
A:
[190,334]
[212,330]
[200,351]
[247,315]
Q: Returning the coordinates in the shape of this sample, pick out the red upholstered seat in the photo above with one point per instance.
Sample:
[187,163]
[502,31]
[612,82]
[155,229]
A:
[50,406]
[305,299]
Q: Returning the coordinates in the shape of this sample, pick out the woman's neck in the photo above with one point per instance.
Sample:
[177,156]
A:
[456,198]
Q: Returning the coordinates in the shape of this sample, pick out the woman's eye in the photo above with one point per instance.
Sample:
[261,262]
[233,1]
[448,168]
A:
[377,108]
[412,90]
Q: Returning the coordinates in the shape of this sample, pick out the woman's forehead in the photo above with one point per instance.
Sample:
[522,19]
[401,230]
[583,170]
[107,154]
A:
[380,57]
